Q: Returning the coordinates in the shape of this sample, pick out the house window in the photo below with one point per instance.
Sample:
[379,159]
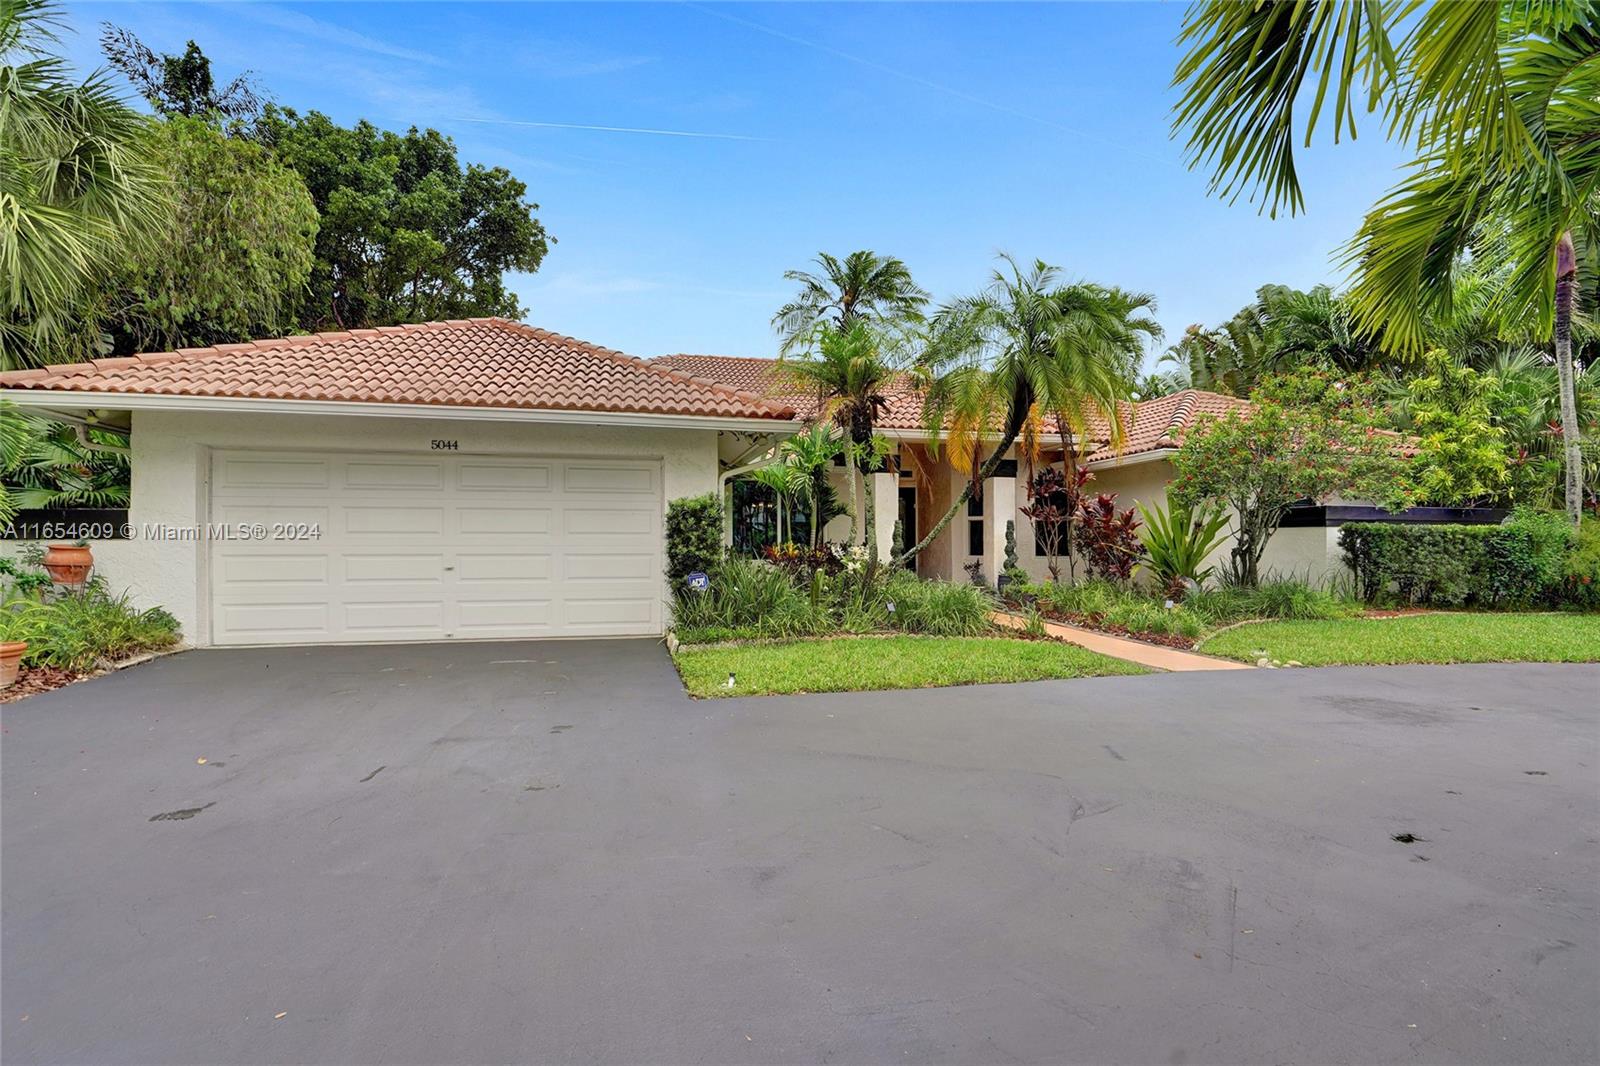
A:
[1063,528]
[975,536]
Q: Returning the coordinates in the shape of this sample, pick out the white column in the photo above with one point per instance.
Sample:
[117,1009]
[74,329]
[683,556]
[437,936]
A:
[999,507]
[885,489]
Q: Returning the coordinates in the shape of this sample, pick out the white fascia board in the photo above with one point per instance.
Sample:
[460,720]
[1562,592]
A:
[121,401]
[1131,460]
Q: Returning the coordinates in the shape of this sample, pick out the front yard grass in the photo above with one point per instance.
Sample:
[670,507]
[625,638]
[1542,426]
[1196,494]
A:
[1425,638]
[853,664]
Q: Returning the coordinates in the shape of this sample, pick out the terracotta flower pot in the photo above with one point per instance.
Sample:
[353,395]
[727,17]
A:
[68,564]
[11,661]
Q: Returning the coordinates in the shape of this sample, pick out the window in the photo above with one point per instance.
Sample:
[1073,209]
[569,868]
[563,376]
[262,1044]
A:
[975,536]
[975,505]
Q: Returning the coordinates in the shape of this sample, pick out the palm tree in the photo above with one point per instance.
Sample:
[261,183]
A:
[79,186]
[781,480]
[863,287]
[849,373]
[1497,100]
[1025,348]
[809,456]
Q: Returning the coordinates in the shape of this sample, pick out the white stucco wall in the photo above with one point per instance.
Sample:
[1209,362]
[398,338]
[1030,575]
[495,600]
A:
[171,462]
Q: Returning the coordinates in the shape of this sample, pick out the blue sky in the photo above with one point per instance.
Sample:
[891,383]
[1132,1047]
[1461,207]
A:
[939,133]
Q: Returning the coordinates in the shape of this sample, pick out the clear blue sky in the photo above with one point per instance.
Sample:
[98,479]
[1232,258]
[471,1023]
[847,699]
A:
[938,133]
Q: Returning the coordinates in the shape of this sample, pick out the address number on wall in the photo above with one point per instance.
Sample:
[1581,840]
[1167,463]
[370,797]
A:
[444,445]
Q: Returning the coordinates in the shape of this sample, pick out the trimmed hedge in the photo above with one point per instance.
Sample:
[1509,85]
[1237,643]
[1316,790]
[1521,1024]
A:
[1516,564]
[694,537]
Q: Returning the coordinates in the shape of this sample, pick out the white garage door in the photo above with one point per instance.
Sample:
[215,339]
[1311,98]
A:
[398,547]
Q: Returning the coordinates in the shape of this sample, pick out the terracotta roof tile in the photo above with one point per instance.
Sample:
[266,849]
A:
[486,362]
[1148,426]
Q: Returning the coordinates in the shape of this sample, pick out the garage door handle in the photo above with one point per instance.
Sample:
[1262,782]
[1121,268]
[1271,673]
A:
[449,568]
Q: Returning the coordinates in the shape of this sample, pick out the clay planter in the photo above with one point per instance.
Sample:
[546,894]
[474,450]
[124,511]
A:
[11,661]
[68,564]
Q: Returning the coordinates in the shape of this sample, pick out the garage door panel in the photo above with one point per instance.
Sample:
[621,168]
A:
[478,567]
[386,615]
[378,520]
[411,568]
[433,547]
[500,521]
[241,473]
[596,522]
[500,477]
[393,475]
[276,622]
[275,570]
[264,512]
[620,612]
[617,479]
[504,616]
[600,565]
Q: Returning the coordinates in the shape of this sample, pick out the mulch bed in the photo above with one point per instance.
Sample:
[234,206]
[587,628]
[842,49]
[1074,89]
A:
[36,679]
[1100,625]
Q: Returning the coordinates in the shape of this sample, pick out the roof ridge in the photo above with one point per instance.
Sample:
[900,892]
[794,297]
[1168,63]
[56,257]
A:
[644,364]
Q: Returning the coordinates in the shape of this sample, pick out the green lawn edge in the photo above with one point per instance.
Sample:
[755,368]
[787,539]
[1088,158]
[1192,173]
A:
[1443,637]
[863,664]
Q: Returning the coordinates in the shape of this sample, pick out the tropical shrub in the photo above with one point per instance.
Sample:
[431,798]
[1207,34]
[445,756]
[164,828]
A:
[1106,602]
[694,537]
[1108,538]
[1272,598]
[1177,540]
[1580,581]
[79,632]
[1515,564]
[939,608]
[1052,501]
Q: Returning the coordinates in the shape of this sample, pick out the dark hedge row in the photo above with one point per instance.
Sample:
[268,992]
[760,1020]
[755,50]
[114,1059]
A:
[1520,563]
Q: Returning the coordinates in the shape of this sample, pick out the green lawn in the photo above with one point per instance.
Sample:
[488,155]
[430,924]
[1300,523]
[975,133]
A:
[1426,638]
[850,664]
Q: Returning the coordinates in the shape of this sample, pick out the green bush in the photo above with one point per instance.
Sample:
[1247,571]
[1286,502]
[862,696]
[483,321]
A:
[78,632]
[750,599]
[1118,605]
[1580,579]
[694,537]
[1515,564]
[939,608]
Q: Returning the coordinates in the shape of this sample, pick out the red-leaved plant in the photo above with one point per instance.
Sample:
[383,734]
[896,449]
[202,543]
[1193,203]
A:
[1108,538]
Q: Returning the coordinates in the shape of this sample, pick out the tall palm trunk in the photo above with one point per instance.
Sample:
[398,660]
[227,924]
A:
[1566,298]
[869,512]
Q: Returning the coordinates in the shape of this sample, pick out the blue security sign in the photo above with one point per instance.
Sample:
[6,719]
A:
[698,582]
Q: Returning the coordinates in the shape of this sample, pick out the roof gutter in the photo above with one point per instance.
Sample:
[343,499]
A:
[83,400]
[1116,461]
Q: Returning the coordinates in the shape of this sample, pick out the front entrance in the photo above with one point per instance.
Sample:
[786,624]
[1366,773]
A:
[908,521]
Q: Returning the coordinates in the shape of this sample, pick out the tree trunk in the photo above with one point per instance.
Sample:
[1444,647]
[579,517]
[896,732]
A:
[985,472]
[870,519]
[1566,298]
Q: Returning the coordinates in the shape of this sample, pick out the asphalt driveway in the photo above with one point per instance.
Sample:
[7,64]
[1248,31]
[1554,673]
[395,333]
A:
[543,851]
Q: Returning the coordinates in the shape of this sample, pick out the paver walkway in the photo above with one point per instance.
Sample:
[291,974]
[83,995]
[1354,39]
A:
[1136,651]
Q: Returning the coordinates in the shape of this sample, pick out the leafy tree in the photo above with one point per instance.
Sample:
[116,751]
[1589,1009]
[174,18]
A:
[1305,436]
[1026,347]
[406,234]
[232,262]
[862,287]
[78,188]
[179,85]
[849,372]
[1050,513]
[1462,455]
[1499,102]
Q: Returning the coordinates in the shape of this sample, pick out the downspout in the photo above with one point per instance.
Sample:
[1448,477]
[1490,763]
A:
[81,426]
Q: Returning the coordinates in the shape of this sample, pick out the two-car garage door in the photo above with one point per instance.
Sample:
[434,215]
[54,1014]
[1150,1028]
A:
[315,548]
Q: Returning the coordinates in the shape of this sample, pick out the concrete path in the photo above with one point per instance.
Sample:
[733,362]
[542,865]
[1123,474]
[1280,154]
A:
[1135,651]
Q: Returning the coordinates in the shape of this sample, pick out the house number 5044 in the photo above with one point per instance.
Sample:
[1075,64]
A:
[444,445]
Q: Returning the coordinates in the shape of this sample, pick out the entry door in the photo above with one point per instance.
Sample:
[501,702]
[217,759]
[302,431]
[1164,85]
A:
[311,548]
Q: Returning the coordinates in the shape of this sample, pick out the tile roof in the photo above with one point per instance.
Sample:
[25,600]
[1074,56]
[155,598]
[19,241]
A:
[481,362]
[1150,425]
